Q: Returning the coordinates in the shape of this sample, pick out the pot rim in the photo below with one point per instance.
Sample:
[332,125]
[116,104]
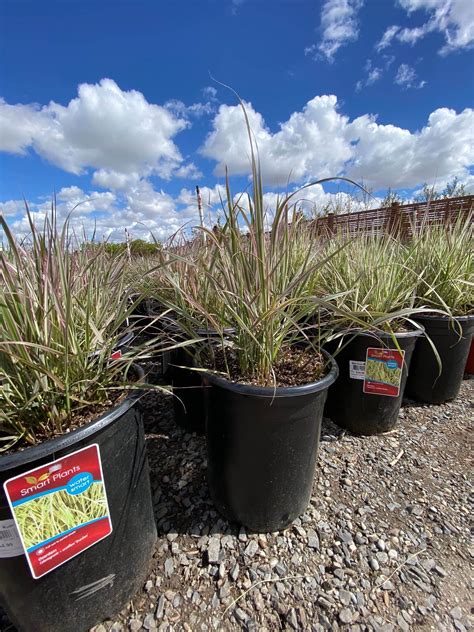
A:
[279,391]
[68,439]
[444,317]
[379,333]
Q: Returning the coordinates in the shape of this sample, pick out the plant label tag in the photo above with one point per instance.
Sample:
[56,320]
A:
[383,371]
[10,543]
[60,509]
[356,370]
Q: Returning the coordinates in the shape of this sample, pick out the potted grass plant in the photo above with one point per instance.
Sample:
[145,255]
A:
[444,261]
[373,335]
[265,382]
[75,505]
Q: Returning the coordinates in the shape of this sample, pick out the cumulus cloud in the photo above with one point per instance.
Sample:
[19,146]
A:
[454,19]
[104,128]
[339,26]
[308,143]
[386,155]
[19,124]
[319,141]
[109,179]
[406,77]
[189,171]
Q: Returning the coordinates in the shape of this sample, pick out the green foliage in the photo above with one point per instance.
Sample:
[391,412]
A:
[134,248]
[452,189]
[372,279]
[443,259]
[63,307]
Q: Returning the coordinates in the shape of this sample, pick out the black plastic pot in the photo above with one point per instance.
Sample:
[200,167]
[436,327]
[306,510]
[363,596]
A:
[97,583]
[188,403]
[452,340]
[262,448]
[347,405]
[167,326]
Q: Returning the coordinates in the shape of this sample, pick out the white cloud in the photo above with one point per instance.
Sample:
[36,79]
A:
[10,208]
[235,6]
[308,143]
[406,77]
[372,76]
[104,128]
[141,210]
[339,26]
[319,142]
[386,155]
[387,37]
[189,171]
[197,110]
[210,93]
[454,19]
[19,124]
[113,180]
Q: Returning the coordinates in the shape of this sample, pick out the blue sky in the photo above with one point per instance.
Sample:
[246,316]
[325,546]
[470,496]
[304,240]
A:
[112,104]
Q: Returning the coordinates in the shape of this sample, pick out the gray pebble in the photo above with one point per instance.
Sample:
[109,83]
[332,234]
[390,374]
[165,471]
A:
[149,622]
[374,565]
[169,567]
[213,550]
[346,615]
[456,613]
[251,548]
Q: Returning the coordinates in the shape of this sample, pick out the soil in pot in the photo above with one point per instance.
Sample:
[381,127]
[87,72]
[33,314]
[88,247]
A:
[367,396]
[262,447]
[98,581]
[452,339]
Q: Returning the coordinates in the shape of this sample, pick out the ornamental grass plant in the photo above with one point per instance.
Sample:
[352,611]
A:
[257,268]
[374,280]
[443,259]
[64,305]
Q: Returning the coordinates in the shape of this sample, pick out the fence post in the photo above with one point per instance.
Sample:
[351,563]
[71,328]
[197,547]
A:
[447,213]
[393,224]
[331,228]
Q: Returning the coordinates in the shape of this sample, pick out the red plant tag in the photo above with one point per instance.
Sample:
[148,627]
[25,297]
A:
[60,509]
[383,371]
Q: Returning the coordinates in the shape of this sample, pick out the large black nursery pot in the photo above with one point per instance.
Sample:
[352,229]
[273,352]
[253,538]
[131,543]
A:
[361,407]
[452,339]
[262,447]
[96,583]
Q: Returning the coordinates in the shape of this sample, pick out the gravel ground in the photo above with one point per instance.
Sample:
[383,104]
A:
[384,544]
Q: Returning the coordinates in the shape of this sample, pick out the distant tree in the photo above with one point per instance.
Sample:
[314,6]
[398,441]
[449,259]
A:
[138,248]
[427,194]
[453,188]
[391,197]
